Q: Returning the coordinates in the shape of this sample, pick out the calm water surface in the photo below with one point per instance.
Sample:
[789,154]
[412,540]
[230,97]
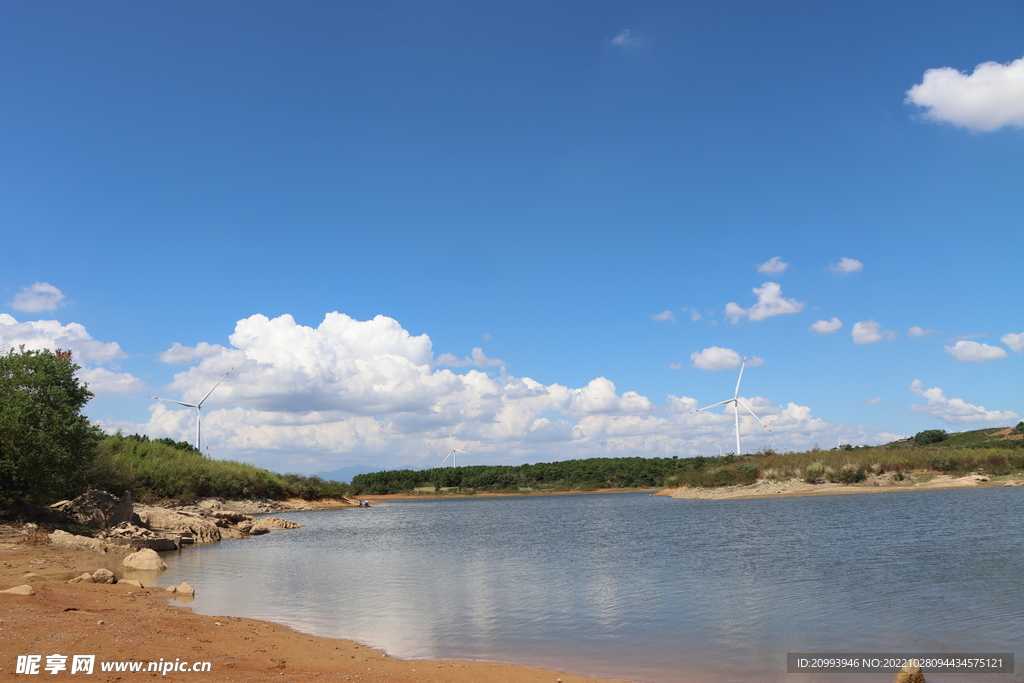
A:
[630,586]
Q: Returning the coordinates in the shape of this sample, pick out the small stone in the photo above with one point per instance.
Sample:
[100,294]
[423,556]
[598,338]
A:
[103,576]
[99,623]
[130,582]
[84,578]
[20,590]
[186,589]
[172,589]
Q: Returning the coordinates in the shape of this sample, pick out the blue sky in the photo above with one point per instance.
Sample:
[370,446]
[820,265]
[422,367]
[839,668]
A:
[612,201]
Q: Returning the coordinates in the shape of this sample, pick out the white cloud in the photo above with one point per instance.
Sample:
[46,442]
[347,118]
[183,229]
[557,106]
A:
[1014,341]
[826,326]
[956,410]
[873,401]
[676,366]
[917,331]
[988,99]
[717,358]
[313,398]
[846,266]
[773,266]
[973,352]
[695,315]
[50,334]
[183,355]
[42,296]
[102,381]
[478,358]
[770,302]
[664,315]
[627,39]
[868,332]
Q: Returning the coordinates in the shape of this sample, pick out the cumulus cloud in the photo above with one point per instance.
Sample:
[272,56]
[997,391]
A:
[773,266]
[990,98]
[664,315]
[1015,342]
[311,398]
[956,410]
[869,332]
[846,266]
[627,39]
[478,358]
[42,296]
[873,401]
[717,358]
[184,355]
[973,352]
[770,302]
[50,334]
[826,326]
[103,382]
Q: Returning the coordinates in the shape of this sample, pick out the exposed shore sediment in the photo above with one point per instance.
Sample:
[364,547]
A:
[120,623]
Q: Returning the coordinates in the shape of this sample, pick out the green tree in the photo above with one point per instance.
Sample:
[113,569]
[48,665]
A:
[930,436]
[45,441]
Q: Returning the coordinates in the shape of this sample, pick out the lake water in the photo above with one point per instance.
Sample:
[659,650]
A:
[636,587]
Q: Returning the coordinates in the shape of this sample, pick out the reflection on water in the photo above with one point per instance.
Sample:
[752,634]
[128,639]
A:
[625,585]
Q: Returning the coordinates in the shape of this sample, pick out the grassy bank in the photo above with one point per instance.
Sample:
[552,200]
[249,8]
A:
[165,469]
[994,452]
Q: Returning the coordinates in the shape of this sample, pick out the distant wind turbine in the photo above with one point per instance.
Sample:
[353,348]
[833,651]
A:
[199,409]
[736,403]
[453,451]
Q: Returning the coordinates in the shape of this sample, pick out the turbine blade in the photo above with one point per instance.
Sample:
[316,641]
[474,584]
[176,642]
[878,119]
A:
[747,408]
[720,403]
[180,403]
[216,385]
[742,365]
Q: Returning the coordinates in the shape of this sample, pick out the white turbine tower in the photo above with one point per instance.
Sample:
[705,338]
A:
[198,407]
[453,451]
[736,403]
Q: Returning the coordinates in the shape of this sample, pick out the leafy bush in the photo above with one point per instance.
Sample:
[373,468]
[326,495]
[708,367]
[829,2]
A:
[814,472]
[848,474]
[1019,429]
[930,436]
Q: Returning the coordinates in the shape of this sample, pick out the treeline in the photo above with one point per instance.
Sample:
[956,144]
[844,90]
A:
[588,474]
[164,468]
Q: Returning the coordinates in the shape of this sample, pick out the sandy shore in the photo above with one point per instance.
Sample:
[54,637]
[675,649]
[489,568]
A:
[798,487]
[123,623]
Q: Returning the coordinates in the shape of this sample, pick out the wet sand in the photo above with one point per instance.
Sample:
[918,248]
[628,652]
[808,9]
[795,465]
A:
[122,623]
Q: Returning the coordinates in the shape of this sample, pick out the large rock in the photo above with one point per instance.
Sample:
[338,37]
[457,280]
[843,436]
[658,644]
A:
[262,526]
[910,674]
[99,508]
[202,530]
[20,590]
[59,537]
[145,559]
[104,576]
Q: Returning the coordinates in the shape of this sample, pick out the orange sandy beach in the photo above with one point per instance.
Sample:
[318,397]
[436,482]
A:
[120,623]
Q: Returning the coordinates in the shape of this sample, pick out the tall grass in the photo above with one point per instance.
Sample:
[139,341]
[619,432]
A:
[165,469]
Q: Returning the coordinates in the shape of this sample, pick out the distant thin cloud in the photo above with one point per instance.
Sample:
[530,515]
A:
[973,352]
[1014,341]
[917,331]
[773,266]
[873,401]
[869,332]
[41,296]
[770,302]
[989,99]
[846,266]
[695,315]
[676,366]
[664,315]
[826,326]
[717,358]
[478,359]
[627,39]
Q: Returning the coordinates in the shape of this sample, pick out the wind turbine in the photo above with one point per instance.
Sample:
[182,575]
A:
[453,451]
[736,403]
[198,407]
